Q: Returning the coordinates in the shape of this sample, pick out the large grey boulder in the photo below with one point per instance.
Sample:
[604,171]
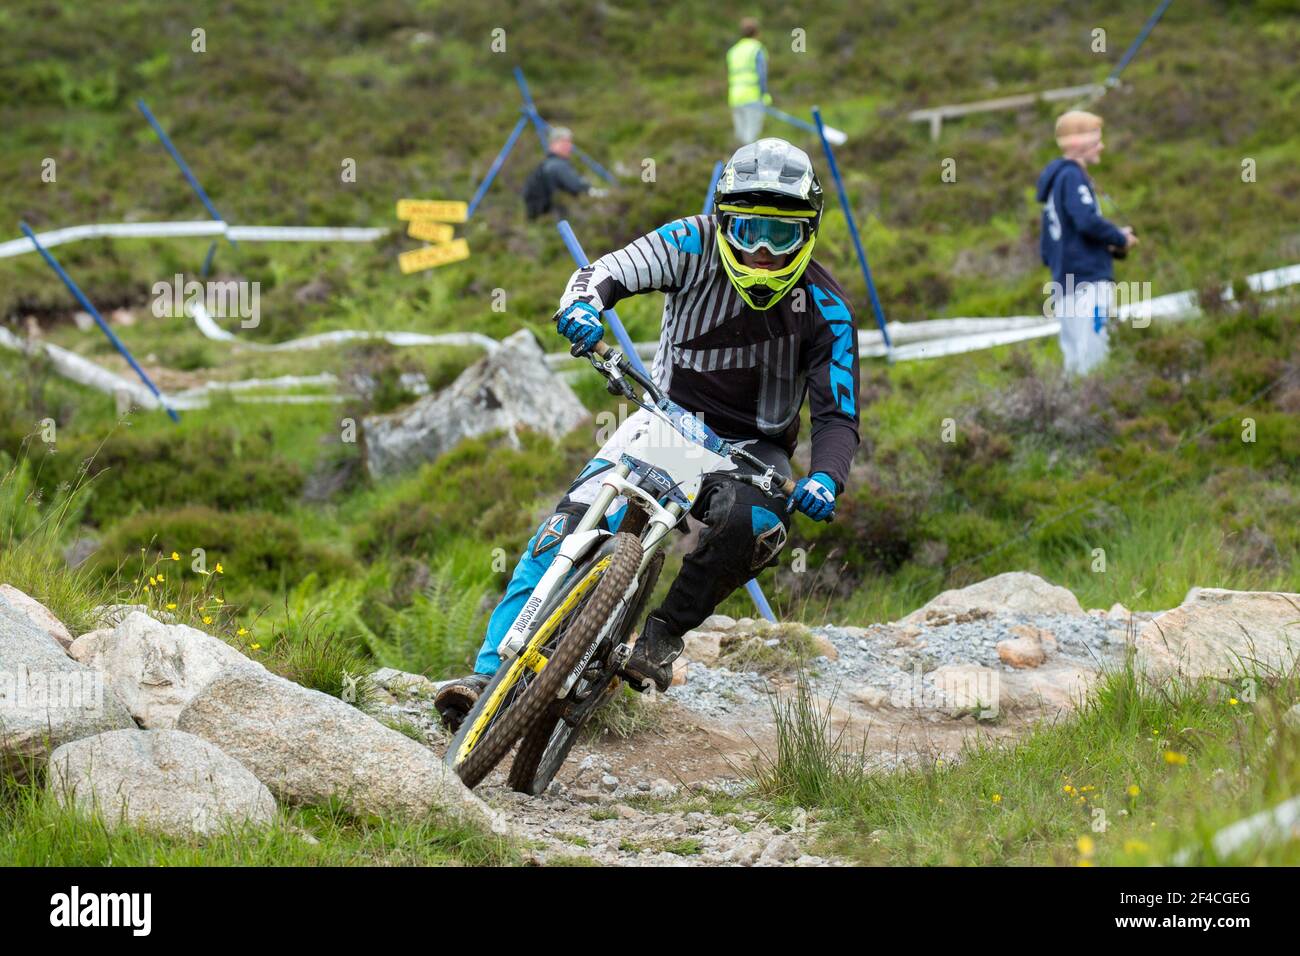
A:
[309,748]
[46,698]
[155,668]
[509,389]
[37,613]
[161,780]
[1017,592]
[1221,633]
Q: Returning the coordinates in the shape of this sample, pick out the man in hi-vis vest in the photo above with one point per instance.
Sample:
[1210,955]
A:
[747,83]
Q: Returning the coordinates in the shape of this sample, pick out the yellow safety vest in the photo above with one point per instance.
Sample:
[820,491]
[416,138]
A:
[742,72]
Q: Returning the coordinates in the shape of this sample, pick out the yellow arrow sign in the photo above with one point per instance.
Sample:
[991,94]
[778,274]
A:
[431,231]
[428,257]
[441,210]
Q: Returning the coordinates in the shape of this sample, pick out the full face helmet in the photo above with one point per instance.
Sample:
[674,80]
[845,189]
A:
[767,196]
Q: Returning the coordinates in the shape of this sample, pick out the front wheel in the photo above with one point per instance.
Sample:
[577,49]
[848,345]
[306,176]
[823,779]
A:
[547,743]
[524,689]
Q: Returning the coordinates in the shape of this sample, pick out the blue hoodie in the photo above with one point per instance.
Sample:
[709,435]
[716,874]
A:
[1075,233]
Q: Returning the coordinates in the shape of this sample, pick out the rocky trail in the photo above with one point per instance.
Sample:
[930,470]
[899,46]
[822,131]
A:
[187,735]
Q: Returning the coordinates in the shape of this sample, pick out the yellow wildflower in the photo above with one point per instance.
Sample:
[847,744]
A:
[997,798]
[241,632]
[207,619]
[1086,846]
[153,580]
[171,606]
[254,647]
[175,556]
[1134,790]
[1174,757]
[1135,846]
[218,568]
[161,578]
[1233,701]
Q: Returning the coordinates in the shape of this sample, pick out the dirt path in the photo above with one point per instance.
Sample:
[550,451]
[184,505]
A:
[671,794]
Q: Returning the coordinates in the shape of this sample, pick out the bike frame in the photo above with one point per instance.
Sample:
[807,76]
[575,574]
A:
[672,443]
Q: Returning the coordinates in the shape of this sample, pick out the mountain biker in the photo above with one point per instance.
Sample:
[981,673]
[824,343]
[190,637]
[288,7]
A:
[751,325]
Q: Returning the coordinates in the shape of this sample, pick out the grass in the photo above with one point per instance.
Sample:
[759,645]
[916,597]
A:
[1140,774]
[36,831]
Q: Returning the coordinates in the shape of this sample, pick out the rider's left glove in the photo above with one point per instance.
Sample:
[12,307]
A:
[814,496]
[580,324]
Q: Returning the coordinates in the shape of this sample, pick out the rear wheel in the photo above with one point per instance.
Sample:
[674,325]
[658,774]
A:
[547,743]
[523,690]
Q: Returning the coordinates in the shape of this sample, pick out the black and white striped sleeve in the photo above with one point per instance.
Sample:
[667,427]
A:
[659,261]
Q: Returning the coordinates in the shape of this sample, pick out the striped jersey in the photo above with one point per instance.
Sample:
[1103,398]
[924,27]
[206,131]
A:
[745,371]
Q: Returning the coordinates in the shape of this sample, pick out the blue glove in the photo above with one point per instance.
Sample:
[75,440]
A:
[580,324]
[814,496]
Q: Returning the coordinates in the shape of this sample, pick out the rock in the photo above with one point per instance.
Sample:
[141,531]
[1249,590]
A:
[1043,636]
[718,622]
[628,813]
[779,850]
[967,687]
[1050,688]
[873,697]
[703,647]
[80,550]
[609,783]
[155,668]
[511,388]
[661,789]
[1118,612]
[679,671]
[47,699]
[746,852]
[822,647]
[1021,652]
[111,615]
[1222,633]
[310,748]
[84,321]
[37,613]
[161,780]
[402,684]
[1015,591]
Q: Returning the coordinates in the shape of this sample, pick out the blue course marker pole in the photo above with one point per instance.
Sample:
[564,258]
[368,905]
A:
[496,166]
[1136,44]
[530,110]
[713,182]
[543,129]
[853,232]
[99,319]
[620,333]
[580,257]
[787,118]
[185,169]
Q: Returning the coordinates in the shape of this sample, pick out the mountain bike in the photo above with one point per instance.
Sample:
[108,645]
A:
[562,656]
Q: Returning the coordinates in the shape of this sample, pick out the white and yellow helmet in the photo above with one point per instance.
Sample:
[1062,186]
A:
[768,195]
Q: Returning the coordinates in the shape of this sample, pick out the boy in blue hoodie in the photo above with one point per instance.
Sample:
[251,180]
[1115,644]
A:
[1078,243]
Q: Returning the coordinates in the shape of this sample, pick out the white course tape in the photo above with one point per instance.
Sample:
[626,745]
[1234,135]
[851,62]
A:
[208,326]
[206,227]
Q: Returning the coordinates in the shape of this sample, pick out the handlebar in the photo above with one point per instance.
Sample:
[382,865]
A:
[767,476]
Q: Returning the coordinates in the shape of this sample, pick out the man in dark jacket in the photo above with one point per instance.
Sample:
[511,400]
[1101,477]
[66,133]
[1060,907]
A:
[555,173]
[753,329]
[1078,243]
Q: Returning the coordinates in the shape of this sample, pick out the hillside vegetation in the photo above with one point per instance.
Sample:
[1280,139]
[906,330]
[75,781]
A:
[1145,460]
